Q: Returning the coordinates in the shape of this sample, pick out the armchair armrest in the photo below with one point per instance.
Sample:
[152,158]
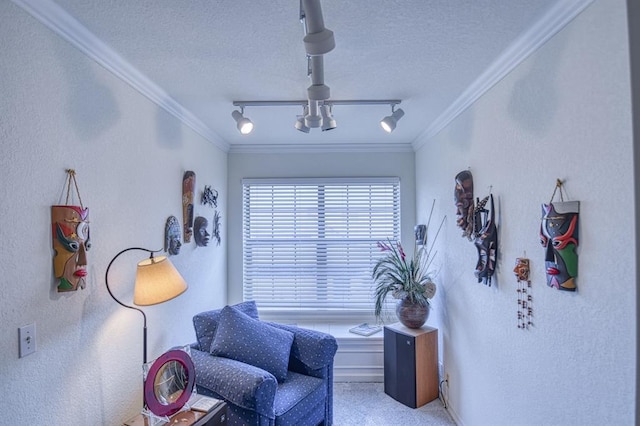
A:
[313,349]
[241,384]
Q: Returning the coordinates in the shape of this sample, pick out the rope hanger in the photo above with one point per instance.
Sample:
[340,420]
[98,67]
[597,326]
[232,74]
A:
[559,184]
[71,176]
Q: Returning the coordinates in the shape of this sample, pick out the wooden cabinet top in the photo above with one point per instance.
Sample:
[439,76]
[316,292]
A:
[399,328]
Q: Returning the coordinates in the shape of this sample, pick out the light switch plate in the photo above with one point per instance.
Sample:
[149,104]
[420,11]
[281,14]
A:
[27,336]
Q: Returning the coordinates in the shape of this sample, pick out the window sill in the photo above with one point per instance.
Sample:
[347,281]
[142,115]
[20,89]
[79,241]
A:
[317,316]
[340,330]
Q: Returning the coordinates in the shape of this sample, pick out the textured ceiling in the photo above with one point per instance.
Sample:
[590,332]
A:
[207,53]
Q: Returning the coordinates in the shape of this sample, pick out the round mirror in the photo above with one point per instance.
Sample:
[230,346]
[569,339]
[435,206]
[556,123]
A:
[169,383]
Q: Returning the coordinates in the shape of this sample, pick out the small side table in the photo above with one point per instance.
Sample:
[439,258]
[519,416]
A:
[215,417]
[411,364]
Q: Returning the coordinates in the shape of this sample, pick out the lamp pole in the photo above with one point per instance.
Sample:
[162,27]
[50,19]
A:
[144,316]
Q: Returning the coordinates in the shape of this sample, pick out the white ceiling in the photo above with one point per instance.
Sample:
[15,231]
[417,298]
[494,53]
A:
[437,56]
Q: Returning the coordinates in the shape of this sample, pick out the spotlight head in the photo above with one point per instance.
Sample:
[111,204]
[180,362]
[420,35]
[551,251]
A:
[300,124]
[245,126]
[389,122]
[328,122]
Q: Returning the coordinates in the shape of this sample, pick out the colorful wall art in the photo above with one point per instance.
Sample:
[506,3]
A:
[71,240]
[559,237]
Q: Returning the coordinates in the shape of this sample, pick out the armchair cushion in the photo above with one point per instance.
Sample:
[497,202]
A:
[297,398]
[206,323]
[253,342]
[241,384]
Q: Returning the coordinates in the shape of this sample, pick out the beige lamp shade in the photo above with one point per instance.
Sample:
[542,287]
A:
[157,281]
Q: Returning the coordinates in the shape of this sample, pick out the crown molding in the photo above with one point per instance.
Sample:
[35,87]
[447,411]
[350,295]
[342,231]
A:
[539,33]
[315,148]
[66,26]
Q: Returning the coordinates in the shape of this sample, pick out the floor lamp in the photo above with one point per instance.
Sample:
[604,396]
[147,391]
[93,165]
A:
[157,281]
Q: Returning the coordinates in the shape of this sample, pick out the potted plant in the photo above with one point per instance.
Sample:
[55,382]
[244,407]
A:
[407,279]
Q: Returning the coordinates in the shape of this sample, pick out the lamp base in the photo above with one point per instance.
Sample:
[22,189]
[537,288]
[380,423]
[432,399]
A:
[153,420]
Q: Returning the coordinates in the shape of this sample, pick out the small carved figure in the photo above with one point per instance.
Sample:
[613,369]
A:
[188,185]
[485,240]
[209,197]
[463,197]
[172,242]
[525,299]
[521,270]
[200,233]
[216,227]
[420,232]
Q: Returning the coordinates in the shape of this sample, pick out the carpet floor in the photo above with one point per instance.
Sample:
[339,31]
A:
[366,404]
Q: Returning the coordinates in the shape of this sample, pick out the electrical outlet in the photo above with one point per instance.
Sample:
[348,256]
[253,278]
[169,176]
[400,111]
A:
[27,336]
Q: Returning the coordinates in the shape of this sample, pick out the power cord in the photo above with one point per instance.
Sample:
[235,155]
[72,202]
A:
[441,392]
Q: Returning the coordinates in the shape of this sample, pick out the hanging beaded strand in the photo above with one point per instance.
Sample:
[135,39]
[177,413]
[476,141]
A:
[525,299]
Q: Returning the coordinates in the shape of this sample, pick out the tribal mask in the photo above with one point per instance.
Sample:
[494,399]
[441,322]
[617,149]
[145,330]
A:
[172,242]
[463,197]
[486,240]
[70,227]
[559,237]
[200,233]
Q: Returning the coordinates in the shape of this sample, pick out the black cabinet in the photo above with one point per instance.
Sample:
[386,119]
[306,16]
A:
[411,364]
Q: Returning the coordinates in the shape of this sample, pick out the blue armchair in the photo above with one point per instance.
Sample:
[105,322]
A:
[268,373]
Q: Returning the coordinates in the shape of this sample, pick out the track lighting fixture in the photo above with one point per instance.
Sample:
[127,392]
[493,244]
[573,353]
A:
[389,122]
[328,122]
[300,121]
[317,113]
[318,41]
[245,126]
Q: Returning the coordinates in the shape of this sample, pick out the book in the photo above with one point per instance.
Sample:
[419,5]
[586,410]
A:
[203,403]
[365,329]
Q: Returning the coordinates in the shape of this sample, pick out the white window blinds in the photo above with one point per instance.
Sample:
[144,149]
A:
[312,243]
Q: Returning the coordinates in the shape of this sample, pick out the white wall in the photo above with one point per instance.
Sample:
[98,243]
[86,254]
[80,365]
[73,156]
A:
[339,164]
[61,110]
[563,113]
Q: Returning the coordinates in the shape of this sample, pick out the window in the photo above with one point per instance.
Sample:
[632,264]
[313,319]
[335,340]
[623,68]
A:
[310,244]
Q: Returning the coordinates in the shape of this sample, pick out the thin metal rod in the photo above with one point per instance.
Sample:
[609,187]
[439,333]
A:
[144,316]
[243,104]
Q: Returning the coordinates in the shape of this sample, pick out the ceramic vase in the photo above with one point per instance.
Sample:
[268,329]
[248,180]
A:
[412,314]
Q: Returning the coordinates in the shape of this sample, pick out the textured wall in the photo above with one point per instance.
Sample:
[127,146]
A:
[60,110]
[563,113]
